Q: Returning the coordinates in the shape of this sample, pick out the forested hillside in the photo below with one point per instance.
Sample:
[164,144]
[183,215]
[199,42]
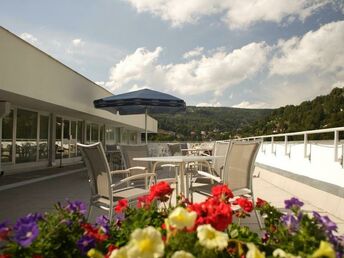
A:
[322,112]
[206,123]
[210,123]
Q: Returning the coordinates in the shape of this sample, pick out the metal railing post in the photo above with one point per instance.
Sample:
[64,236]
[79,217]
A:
[335,143]
[342,156]
[285,145]
[305,142]
[272,144]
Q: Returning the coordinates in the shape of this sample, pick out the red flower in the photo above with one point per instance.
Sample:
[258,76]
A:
[260,203]
[245,204]
[110,248]
[94,232]
[5,255]
[213,212]
[222,192]
[160,191]
[121,205]
[143,201]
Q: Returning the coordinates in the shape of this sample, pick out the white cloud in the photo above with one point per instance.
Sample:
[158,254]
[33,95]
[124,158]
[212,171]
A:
[236,13]
[244,13]
[213,73]
[205,104]
[178,12]
[100,83]
[139,66]
[319,51]
[247,104]
[78,42]
[193,53]
[29,38]
[339,84]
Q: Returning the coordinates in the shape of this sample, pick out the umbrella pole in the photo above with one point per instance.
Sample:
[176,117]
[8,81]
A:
[146,136]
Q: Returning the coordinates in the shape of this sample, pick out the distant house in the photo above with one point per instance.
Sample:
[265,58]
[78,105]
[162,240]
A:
[46,108]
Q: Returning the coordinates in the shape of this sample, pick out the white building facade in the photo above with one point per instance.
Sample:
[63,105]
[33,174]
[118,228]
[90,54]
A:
[47,108]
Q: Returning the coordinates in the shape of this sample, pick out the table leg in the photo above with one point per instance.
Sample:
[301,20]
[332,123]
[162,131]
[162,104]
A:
[182,178]
[154,165]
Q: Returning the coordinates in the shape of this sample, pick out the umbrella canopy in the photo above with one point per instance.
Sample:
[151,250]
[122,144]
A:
[141,101]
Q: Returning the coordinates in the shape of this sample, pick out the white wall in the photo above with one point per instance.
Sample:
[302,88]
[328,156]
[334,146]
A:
[29,72]
[320,165]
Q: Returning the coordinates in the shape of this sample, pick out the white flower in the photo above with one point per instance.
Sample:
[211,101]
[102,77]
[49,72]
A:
[145,243]
[119,253]
[253,252]
[182,254]
[211,238]
[280,253]
[181,218]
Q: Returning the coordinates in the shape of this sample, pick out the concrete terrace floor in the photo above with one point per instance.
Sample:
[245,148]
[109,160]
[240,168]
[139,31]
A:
[38,191]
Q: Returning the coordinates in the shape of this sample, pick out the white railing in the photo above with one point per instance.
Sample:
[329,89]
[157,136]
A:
[306,151]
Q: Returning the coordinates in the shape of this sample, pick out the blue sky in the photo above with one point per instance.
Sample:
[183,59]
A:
[241,53]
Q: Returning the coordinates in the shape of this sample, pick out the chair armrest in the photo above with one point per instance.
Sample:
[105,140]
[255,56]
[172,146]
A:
[137,168]
[169,165]
[206,174]
[119,172]
[128,179]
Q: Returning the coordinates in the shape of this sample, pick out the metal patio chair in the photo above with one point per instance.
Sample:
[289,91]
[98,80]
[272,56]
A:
[104,192]
[141,150]
[237,172]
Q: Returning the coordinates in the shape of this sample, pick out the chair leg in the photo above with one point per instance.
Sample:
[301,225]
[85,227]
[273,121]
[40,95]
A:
[260,223]
[89,211]
[110,213]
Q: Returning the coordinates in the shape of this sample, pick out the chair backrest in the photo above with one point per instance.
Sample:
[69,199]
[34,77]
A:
[98,169]
[220,149]
[239,164]
[134,151]
[174,149]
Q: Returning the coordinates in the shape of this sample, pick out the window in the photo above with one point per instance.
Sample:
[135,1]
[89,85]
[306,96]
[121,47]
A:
[43,137]
[26,142]
[94,133]
[7,138]
[58,142]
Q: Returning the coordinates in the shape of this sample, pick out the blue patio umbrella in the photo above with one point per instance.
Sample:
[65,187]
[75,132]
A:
[141,101]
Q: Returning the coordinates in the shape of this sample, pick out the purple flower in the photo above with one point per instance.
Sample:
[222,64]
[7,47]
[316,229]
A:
[30,218]
[26,229]
[4,230]
[85,243]
[325,221]
[119,217]
[103,222]
[291,222]
[293,203]
[25,234]
[76,207]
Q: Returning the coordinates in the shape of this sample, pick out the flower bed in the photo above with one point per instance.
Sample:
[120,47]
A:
[189,230]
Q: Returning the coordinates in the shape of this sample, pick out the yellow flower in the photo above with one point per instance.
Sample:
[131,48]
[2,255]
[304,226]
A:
[119,253]
[181,218]
[93,253]
[211,238]
[325,250]
[145,243]
[182,254]
[253,252]
[280,253]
